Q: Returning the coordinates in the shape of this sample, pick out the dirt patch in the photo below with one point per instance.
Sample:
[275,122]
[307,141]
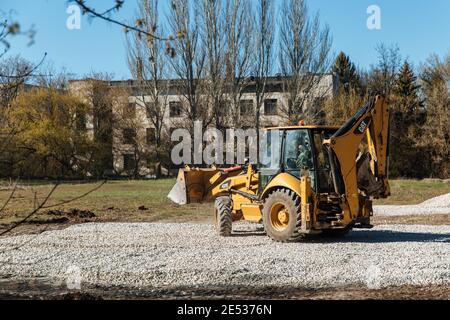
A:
[73,213]
[78,295]
[41,289]
[45,221]
[437,292]
[48,221]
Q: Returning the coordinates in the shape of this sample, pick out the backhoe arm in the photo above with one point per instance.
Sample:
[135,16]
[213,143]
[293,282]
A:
[371,121]
[378,145]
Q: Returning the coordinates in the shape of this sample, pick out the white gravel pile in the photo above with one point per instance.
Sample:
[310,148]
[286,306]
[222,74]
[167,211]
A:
[437,205]
[165,255]
[439,202]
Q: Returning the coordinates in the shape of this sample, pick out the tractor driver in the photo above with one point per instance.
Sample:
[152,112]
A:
[304,161]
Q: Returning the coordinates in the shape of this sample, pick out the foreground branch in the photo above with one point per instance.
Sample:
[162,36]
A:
[104,16]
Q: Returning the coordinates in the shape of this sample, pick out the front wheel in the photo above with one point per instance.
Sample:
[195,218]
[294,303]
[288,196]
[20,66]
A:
[282,216]
[222,216]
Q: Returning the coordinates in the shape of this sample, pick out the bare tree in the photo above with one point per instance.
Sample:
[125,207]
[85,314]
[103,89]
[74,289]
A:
[343,106]
[50,77]
[14,73]
[213,40]
[10,28]
[238,52]
[435,136]
[148,64]
[435,72]
[382,76]
[106,16]
[263,55]
[304,59]
[189,63]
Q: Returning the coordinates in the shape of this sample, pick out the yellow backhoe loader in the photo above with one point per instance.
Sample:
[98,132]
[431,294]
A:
[319,179]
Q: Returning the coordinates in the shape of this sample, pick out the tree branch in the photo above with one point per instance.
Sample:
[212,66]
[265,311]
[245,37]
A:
[103,16]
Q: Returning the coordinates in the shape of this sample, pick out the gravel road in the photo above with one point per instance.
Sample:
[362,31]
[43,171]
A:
[437,205]
[167,255]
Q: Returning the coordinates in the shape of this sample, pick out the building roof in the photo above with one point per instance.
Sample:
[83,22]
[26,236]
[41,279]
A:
[274,84]
[303,127]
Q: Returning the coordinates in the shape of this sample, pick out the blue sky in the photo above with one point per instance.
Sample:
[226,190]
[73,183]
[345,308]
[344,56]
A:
[418,27]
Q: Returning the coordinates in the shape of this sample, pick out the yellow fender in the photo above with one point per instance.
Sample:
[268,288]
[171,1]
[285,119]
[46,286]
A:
[283,180]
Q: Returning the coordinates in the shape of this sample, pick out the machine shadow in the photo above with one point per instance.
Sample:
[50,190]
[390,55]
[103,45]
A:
[244,233]
[386,236]
[363,236]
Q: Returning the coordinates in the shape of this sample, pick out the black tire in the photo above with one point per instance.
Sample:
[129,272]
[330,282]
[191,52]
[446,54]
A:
[222,216]
[289,229]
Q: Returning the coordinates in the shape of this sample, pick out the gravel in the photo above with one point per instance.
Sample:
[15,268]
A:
[170,255]
[437,205]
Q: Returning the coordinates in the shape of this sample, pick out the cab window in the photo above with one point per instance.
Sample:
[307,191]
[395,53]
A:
[269,165]
[271,151]
[298,158]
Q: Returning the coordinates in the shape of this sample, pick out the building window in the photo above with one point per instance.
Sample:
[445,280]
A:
[149,108]
[129,136]
[130,111]
[247,107]
[129,163]
[270,107]
[175,109]
[151,135]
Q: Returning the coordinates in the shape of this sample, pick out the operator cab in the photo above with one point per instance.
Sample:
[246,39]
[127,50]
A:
[297,151]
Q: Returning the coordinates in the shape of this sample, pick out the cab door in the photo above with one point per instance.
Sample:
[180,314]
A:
[298,154]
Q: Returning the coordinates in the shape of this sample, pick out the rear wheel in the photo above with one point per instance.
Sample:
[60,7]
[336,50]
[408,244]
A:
[281,216]
[222,216]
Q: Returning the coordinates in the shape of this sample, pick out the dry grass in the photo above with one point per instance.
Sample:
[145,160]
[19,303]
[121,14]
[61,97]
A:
[114,201]
[120,201]
[415,191]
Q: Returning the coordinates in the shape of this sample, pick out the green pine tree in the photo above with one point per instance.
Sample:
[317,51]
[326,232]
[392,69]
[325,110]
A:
[346,71]
[406,91]
[407,117]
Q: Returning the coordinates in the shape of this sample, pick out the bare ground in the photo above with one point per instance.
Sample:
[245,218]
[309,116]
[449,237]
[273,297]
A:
[44,290]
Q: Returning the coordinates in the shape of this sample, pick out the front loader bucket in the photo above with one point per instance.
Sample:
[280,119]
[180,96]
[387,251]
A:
[194,185]
[178,192]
